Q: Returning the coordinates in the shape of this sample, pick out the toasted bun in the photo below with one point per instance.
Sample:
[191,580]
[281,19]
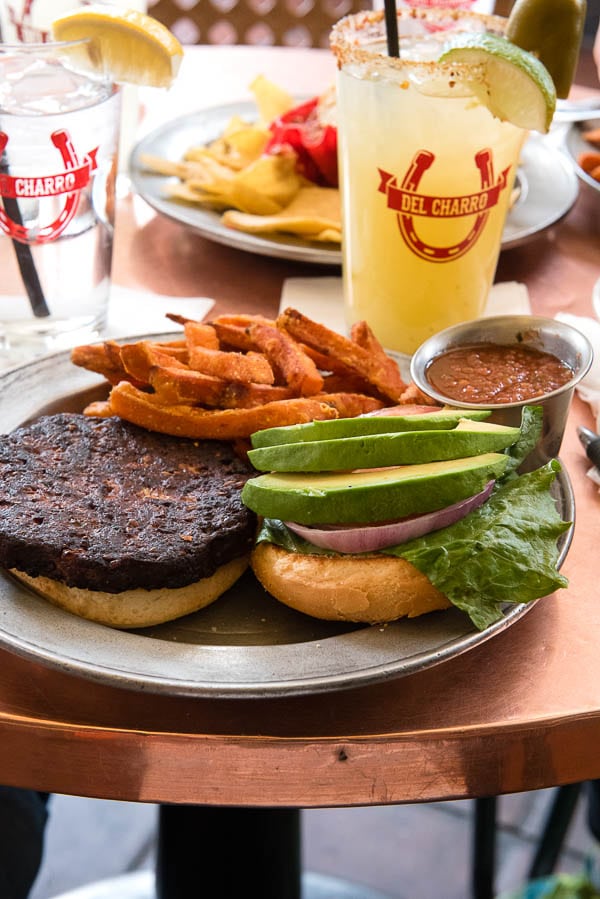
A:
[137,608]
[371,589]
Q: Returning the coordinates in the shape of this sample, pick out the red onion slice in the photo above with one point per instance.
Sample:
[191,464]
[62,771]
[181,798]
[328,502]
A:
[407,409]
[370,538]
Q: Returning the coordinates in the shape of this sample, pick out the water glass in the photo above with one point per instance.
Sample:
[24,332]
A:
[59,132]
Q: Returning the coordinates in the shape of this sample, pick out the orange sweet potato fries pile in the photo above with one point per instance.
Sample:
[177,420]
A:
[237,374]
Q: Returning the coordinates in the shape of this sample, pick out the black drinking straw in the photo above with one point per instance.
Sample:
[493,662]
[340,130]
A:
[29,274]
[391,27]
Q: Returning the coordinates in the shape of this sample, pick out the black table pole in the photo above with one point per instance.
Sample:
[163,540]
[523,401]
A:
[217,851]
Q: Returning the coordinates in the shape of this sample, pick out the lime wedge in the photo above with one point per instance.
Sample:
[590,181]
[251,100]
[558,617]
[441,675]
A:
[511,82]
[134,47]
[552,30]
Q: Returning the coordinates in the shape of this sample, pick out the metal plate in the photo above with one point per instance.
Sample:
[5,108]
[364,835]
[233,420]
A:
[575,144]
[246,644]
[170,141]
[536,209]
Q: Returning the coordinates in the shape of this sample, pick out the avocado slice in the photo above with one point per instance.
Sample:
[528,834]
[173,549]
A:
[376,450]
[336,428]
[374,495]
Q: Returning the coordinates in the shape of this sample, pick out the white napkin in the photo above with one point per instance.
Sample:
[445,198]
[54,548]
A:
[132,312]
[322,300]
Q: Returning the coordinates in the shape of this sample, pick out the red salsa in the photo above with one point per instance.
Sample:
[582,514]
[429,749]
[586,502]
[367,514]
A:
[490,373]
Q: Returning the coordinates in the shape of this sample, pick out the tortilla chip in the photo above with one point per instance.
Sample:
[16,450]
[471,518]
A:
[272,101]
[313,214]
[239,145]
[267,185]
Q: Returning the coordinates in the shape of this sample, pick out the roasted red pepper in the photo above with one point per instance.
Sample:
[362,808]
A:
[314,143]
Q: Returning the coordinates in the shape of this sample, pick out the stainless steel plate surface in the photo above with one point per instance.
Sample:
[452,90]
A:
[246,644]
[575,144]
[536,209]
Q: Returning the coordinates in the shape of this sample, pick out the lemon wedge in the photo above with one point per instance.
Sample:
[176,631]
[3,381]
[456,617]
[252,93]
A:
[514,85]
[133,47]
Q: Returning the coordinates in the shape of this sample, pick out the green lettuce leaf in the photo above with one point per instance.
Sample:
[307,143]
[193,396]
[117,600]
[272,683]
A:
[531,429]
[505,551]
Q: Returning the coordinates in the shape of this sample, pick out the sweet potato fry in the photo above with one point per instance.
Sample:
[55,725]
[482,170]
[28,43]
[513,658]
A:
[103,358]
[297,369]
[234,336]
[362,334]
[251,367]
[145,411]
[139,358]
[349,405]
[326,363]
[328,342]
[232,330]
[182,385]
[99,409]
[592,136]
[589,160]
[414,395]
[242,320]
[199,334]
[349,383]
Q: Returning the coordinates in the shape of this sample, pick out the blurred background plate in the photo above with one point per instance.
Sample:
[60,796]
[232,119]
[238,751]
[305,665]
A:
[537,207]
[575,144]
[548,188]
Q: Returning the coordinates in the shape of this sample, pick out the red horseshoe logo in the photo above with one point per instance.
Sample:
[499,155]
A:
[408,204]
[23,27]
[411,180]
[78,177]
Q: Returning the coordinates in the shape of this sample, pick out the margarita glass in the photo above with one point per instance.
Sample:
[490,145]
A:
[426,174]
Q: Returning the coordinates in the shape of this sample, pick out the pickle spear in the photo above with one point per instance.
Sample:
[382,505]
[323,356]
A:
[552,30]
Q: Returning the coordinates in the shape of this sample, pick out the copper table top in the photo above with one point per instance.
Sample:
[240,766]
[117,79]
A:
[518,712]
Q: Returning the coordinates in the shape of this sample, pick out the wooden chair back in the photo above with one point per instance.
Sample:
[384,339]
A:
[292,23]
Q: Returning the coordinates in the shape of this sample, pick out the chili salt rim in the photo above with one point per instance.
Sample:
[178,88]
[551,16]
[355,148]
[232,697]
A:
[352,36]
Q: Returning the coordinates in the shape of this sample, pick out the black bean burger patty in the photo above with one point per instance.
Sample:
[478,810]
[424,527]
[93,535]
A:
[102,504]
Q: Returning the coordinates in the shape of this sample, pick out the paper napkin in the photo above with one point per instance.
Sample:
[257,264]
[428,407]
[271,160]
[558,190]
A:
[132,312]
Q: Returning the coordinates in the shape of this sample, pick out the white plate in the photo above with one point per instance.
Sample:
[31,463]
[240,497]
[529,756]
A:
[244,645]
[536,209]
[575,144]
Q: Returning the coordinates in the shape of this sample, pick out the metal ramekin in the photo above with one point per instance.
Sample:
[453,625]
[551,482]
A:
[546,334]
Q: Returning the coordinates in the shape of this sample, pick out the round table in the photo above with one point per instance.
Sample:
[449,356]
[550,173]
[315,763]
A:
[518,712]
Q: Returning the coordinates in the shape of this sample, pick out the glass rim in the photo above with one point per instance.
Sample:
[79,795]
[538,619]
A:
[41,46]
[352,38]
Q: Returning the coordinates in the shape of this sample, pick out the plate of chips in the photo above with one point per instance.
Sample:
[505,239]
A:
[583,145]
[182,169]
[213,170]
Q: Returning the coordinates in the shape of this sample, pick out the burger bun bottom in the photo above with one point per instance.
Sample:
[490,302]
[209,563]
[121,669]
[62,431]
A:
[137,608]
[370,589]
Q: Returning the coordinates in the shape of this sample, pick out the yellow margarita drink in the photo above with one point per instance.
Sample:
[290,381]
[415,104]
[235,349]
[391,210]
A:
[426,173]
